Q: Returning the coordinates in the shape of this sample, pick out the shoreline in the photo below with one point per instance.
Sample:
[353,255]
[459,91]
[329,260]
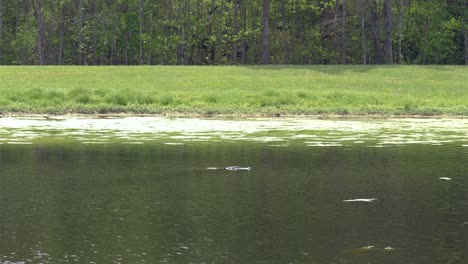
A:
[236,92]
[227,116]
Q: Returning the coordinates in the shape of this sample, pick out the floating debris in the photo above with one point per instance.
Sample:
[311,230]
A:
[368,247]
[445,178]
[231,168]
[370,200]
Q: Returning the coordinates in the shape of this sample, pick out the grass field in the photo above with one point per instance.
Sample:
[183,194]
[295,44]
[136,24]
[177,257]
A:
[236,90]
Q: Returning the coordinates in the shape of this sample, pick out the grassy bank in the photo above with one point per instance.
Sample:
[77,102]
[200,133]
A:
[252,90]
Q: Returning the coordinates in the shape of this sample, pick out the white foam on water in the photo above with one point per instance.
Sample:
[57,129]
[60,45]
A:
[328,132]
[19,143]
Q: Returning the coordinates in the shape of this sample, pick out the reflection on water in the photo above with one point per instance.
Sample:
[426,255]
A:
[138,191]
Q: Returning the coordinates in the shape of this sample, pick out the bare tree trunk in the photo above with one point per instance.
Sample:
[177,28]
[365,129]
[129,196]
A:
[61,33]
[236,32]
[375,30]
[148,53]
[400,25]
[266,32]
[244,24]
[179,33]
[112,50]
[126,47]
[185,53]
[343,32]
[1,30]
[17,16]
[95,37]
[426,30]
[80,33]
[40,33]
[465,34]
[363,31]
[300,32]
[141,5]
[104,40]
[283,26]
[336,41]
[388,31]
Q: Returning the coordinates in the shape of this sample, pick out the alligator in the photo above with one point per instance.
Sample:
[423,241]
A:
[231,168]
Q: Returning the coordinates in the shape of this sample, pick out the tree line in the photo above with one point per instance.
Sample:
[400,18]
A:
[219,32]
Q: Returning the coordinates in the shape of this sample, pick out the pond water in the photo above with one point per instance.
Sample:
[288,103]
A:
[137,190]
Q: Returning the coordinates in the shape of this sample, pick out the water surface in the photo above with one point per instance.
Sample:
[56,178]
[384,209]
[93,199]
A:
[136,190]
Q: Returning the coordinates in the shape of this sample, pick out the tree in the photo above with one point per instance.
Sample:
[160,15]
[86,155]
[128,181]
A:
[375,30]
[363,33]
[40,32]
[465,34]
[79,48]
[400,24]
[1,29]
[233,31]
[343,32]
[266,32]
[140,12]
[388,25]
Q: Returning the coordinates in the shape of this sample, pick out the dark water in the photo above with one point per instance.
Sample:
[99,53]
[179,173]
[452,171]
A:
[155,203]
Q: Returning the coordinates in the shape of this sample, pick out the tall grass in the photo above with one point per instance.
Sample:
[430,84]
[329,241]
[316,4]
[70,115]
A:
[236,90]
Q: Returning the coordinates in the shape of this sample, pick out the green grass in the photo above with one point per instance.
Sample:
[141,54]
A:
[236,90]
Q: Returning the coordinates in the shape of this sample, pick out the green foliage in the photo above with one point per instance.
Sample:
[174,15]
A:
[227,32]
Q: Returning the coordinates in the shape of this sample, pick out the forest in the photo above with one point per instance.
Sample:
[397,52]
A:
[232,32]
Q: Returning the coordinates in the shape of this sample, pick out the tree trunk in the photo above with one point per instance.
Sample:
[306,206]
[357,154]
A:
[283,28]
[185,48]
[40,33]
[95,33]
[400,25]
[112,50]
[148,53]
[426,30]
[126,47]
[140,12]
[300,33]
[236,32]
[363,31]
[17,16]
[343,33]
[375,30]
[61,33]
[336,40]
[180,26]
[465,33]
[266,32]
[243,40]
[388,31]
[1,30]
[80,33]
